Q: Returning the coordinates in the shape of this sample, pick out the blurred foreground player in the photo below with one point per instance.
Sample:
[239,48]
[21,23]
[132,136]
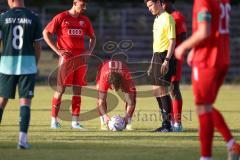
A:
[209,58]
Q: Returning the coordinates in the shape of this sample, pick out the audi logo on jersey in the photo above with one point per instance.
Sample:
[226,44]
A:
[75,32]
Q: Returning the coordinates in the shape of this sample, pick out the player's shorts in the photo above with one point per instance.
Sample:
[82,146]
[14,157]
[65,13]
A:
[9,83]
[178,74]
[72,72]
[206,83]
[156,77]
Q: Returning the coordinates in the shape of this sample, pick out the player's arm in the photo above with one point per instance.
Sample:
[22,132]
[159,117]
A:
[92,43]
[171,47]
[131,103]
[203,32]
[165,65]
[172,43]
[48,37]
[102,106]
[38,49]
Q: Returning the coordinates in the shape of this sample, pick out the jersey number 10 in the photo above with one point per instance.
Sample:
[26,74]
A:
[17,41]
[115,65]
[224,18]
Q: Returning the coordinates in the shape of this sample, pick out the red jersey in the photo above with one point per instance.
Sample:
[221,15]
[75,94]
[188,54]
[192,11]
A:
[114,66]
[70,31]
[181,26]
[214,51]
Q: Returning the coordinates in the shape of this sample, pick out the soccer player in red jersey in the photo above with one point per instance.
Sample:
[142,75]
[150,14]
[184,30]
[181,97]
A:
[209,59]
[181,31]
[115,75]
[70,27]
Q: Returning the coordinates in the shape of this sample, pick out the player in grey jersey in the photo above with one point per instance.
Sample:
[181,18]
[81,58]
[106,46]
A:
[20,34]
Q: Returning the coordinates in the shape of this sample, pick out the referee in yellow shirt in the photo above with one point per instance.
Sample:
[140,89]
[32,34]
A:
[162,64]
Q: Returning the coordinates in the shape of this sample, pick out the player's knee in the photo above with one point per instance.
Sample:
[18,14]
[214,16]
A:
[25,102]
[3,102]
[202,109]
[176,94]
[101,102]
[77,90]
[58,94]
[175,91]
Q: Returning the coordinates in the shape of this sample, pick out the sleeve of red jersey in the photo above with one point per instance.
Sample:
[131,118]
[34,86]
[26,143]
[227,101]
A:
[89,29]
[53,25]
[181,26]
[204,5]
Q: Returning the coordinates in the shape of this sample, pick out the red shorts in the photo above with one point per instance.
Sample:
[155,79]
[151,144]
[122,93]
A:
[72,72]
[206,83]
[178,74]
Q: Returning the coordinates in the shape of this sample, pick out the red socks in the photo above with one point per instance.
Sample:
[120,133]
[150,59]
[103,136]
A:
[221,125]
[177,110]
[55,106]
[76,103]
[208,122]
[206,133]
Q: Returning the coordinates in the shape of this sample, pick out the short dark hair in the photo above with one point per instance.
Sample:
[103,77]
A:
[171,1]
[115,79]
[145,1]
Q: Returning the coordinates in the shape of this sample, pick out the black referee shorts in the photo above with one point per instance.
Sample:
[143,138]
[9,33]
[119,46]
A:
[156,77]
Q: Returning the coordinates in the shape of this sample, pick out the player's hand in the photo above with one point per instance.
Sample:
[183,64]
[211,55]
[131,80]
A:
[180,51]
[149,71]
[164,67]
[190,58]
[64,53]
[106,118]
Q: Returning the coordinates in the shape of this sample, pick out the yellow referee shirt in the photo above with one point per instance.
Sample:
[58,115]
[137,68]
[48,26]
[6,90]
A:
[163,31]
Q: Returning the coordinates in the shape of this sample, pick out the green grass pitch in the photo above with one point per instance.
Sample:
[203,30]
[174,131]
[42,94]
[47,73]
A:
[65,143]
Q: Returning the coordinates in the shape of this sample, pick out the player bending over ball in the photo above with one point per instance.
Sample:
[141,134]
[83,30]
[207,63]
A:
[115,75]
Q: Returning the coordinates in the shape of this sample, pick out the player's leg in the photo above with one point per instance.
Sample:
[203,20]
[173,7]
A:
[25,113]
[56,103]
[130,108]
[160,90]
[210,118]
[204,98]
[76,107]
[7,90]
[102,109]
[166,104]
[3,103]
[219,122]
[78,80]
[206,131]
[26,84]
[176,106]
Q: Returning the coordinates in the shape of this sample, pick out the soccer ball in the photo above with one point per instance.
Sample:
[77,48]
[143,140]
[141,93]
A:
[116,123]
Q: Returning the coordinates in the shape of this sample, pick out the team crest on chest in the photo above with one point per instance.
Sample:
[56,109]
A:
[82,23]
